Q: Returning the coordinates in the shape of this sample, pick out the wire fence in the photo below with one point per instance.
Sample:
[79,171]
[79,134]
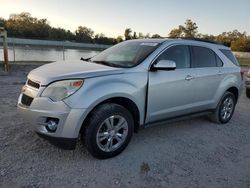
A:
[43,50]
[245,55]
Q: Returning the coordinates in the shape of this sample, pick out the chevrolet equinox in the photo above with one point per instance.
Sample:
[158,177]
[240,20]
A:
[136,83]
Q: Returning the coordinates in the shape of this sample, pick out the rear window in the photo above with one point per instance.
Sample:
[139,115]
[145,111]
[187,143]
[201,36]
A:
[230,56]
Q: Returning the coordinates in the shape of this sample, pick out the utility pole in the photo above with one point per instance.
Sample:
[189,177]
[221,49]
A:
[3,33]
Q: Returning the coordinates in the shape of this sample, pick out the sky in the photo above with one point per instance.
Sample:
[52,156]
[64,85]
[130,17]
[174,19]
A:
[111,17]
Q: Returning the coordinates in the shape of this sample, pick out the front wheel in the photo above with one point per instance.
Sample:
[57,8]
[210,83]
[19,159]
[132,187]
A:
[109,130]
[225,109]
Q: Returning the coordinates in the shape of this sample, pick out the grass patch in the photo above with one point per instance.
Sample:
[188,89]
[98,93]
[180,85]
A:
[244,61]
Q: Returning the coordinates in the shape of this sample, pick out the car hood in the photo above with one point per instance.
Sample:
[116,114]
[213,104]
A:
[70,69]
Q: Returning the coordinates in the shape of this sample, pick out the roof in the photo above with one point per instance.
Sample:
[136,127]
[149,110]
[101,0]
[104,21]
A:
[193,40]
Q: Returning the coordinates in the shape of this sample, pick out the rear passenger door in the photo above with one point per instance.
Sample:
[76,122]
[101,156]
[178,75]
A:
[208,74]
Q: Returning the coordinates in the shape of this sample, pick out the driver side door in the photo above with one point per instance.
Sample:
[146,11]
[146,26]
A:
[171,93]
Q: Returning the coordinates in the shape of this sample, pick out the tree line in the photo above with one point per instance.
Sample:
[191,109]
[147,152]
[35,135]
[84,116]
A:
[238,41]
[23,25]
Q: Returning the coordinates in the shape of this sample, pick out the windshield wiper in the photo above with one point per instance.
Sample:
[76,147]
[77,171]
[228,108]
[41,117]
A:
[85,59]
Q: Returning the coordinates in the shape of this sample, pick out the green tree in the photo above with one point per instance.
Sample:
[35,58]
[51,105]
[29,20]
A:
[241,44]
[127,34]
[41,29]
[156,36]
[134,35]
[147,36]
[189,30]
[207,37]
[25,26]
[141,36]
[175,33]
[119,39]
[102,39]
[2,22]
[228,37]
[70,36]
[58,34]
[84,34]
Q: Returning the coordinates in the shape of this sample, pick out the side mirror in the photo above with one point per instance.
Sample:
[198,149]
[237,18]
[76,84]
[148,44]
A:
[164,65]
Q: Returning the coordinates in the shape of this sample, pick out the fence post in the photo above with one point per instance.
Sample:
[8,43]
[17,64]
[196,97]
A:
[63,53]
[14,52]
[5,53]
[3,33]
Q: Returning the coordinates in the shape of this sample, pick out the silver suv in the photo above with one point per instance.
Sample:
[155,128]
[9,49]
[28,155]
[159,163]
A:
[130,85]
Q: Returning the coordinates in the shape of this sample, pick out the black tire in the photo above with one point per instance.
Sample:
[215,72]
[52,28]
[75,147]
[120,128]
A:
[96,121]
[248,93]
[217,116]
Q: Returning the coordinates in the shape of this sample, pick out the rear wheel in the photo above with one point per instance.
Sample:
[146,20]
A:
[248,93]
[109,130]
[225,109]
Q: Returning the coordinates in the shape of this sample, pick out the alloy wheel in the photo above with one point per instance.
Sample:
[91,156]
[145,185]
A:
[112,133]
[227,107]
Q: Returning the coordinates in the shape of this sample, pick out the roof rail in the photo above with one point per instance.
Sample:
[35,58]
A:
[201,40]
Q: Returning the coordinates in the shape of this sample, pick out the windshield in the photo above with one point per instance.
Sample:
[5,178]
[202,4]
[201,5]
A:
[126,54]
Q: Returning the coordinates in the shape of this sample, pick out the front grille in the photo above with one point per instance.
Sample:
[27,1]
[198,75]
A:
[26,100]
[33,84]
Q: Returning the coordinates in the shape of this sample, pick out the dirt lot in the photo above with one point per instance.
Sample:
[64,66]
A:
[190,153]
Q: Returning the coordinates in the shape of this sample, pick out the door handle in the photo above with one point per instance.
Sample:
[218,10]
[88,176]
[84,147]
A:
[189,77]
[220,72]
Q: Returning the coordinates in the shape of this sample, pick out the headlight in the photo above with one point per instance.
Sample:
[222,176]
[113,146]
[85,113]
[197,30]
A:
[59,90]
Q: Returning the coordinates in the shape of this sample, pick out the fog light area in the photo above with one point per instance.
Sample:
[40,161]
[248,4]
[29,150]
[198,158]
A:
[51,124]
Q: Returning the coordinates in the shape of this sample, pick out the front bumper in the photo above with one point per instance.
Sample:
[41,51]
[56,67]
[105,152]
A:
[64,143]
[69,124]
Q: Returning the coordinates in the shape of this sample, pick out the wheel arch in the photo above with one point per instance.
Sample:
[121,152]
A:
[235,91]
[123,101]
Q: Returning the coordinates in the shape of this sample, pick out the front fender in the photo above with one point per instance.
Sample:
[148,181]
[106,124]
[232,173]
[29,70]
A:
[98,89]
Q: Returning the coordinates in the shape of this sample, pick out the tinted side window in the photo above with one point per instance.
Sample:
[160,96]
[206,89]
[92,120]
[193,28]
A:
[203,57]
[230,56]
[179,54]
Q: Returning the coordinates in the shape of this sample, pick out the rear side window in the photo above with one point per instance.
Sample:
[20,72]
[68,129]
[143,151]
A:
[203,57]
[230,56]
[179,54]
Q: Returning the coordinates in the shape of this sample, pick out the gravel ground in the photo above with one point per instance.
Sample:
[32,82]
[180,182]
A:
[188,153]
